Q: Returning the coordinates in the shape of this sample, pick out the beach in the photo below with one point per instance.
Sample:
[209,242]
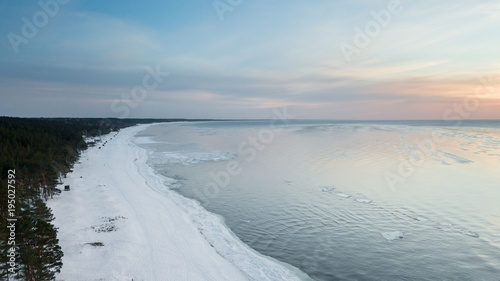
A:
[344,200]
[119,222]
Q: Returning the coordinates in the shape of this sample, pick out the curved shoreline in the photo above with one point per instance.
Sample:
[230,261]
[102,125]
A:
[148,232]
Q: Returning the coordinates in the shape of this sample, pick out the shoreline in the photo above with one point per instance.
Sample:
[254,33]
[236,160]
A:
[119,222]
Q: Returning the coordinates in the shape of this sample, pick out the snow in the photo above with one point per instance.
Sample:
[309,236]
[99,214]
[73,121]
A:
[119,222]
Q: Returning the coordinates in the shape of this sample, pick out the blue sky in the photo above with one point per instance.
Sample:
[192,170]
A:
[91,58]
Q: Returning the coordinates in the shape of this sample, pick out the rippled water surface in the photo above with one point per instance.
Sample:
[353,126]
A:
[347,200]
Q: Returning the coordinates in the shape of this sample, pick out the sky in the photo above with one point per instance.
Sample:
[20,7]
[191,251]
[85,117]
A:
[356,60]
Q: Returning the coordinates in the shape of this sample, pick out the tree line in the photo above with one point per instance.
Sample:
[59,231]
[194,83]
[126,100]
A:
[41,152]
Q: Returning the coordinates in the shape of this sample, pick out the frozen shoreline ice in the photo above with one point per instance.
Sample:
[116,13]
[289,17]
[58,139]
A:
[119,222]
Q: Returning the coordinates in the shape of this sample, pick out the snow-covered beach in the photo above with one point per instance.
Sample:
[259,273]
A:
[119,222]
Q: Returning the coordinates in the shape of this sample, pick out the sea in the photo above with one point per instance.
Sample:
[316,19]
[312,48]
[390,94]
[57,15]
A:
[346,200]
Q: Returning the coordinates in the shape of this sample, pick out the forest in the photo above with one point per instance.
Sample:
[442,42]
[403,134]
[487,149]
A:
[35,156]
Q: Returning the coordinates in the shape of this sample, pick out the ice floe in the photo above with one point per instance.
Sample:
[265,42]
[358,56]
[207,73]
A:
[445,224]
[186,158]
[343,195]
[327,188]
[470,233]
[393,235]
[456,158]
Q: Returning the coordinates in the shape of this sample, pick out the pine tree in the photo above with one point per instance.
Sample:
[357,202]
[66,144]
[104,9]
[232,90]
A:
[41,150]
[40,254]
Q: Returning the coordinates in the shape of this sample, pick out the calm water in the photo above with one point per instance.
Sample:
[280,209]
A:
[347,200]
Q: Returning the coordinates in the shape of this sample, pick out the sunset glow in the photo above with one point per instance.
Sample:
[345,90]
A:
[327,60]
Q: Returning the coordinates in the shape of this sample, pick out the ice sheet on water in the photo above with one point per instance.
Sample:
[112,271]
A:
[144,140]
[186,158]
[338,155]
[365,201]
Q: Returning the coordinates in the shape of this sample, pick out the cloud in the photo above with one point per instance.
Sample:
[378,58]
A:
[90,40]
[264,54]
